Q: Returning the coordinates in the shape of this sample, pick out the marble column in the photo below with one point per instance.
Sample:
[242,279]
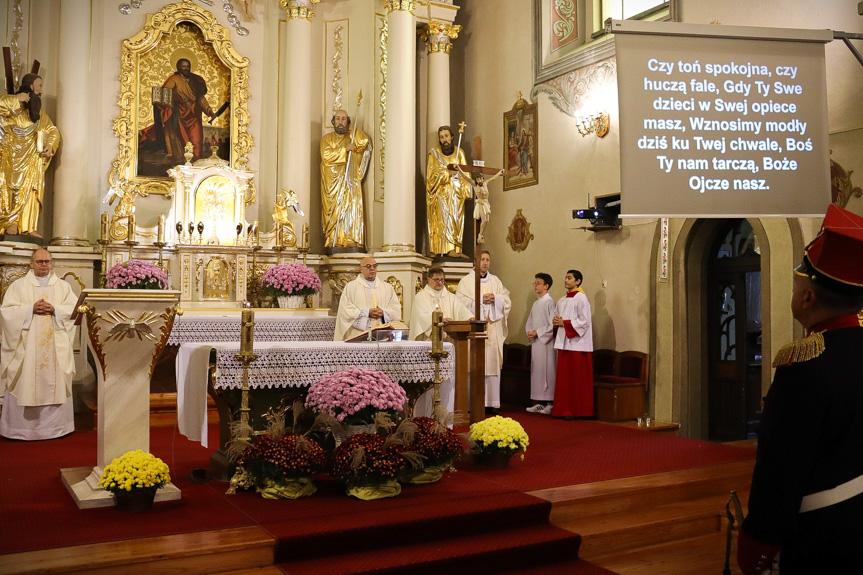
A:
[400,169]
[438,39]
[295,131]
[74,101]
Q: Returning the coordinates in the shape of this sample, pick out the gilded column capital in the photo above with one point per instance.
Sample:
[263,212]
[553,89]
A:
[299,9]
[403,5]
[438,37]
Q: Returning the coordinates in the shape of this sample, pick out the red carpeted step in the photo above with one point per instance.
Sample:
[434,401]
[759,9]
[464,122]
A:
[379,525]
[492,552]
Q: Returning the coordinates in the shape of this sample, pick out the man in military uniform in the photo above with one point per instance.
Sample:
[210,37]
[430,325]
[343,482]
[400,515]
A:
[806,502]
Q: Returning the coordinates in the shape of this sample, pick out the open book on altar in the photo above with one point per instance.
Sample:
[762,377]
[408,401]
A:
[390,331]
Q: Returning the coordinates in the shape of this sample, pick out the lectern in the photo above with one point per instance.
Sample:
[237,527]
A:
[469,338]
[126,332]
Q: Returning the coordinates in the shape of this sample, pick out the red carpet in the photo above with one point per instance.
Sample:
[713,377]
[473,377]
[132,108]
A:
[575,452]
[476,520]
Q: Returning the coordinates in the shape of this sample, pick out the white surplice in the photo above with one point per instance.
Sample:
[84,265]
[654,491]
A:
[543,356]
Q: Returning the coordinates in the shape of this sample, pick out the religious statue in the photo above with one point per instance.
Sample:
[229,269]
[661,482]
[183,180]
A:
[445,196]
[481,207]
[285,200]
[345,155]
[28,141]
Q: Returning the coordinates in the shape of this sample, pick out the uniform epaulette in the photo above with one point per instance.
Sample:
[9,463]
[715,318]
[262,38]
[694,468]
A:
[801,350]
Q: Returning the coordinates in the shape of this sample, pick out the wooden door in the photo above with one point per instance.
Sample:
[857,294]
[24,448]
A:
[734,333]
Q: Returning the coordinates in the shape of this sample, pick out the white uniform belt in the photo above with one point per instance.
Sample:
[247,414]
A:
[832,496]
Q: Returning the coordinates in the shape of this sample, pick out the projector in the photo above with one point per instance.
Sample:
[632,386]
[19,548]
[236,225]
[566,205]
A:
[600,217]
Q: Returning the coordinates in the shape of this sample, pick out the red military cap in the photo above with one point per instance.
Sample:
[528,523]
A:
[837,251]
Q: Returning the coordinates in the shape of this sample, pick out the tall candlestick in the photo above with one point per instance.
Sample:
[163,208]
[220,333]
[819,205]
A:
[130,233]
[437,323]
[103,231]
[160,234]
[247,331]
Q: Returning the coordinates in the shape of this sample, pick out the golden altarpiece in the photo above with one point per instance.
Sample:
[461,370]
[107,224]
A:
[211,252]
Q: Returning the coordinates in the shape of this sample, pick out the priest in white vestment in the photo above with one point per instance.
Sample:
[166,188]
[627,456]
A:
[366,302]
[543,356]
[434,296]
[494,308]
[37,362]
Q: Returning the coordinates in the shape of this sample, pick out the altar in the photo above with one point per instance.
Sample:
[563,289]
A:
[270,325]
[212,367]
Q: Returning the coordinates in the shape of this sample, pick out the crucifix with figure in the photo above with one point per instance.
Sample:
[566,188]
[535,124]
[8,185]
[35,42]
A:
[476,174]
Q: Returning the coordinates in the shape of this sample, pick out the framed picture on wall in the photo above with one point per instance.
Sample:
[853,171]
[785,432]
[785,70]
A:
[521,145]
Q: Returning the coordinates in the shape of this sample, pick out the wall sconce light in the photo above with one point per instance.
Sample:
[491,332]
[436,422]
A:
[593,124]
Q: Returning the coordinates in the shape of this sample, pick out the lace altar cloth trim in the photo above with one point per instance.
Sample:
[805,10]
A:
[281,365]
[228,330]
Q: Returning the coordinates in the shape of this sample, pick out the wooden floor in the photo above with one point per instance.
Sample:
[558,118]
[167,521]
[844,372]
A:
[668,523]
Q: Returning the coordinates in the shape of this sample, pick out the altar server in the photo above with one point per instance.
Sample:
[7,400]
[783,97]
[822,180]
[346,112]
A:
[573,392]
[366,302]
[494,308]
[543,356]
[37,362]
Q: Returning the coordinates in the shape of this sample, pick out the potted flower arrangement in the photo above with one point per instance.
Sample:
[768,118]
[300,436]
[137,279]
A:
[356,395]
[137,274]
[290,284]
[280,467]
[369,464]
[134,478]
[498,439]
[436,444]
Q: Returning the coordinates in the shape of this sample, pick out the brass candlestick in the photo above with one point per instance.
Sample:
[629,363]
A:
[131,244]
[437,353]
[161,246]
[246,357]
[103,246]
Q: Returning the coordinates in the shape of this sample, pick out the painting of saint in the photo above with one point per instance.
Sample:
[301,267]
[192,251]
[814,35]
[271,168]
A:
[184,92]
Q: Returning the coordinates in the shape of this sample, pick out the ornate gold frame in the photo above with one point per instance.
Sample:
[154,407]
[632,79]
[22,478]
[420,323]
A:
[123,178]
[519,232]
[521,114]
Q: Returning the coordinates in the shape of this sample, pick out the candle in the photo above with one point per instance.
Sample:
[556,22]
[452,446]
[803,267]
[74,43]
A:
[160,234]
[40,141]
[257,233]
[103,232]
[305,235]
[247,331]
[278,235]
[130,234]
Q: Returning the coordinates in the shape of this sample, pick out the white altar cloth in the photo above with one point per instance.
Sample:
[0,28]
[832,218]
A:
[300,364]
[270,325]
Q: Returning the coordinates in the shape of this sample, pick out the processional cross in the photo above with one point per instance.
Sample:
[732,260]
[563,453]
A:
[476,174]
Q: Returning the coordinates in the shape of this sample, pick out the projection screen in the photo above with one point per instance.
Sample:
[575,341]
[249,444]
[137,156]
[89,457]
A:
[722,121]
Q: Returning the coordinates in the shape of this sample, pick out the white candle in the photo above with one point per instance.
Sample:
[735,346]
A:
[160,234]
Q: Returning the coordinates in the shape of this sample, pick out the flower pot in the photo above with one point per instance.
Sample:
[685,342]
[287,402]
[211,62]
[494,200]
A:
[291,301]
[134,501]
[370,492]
[495,459]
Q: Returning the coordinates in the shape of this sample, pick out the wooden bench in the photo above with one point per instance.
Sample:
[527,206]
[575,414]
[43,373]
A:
[619,383]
